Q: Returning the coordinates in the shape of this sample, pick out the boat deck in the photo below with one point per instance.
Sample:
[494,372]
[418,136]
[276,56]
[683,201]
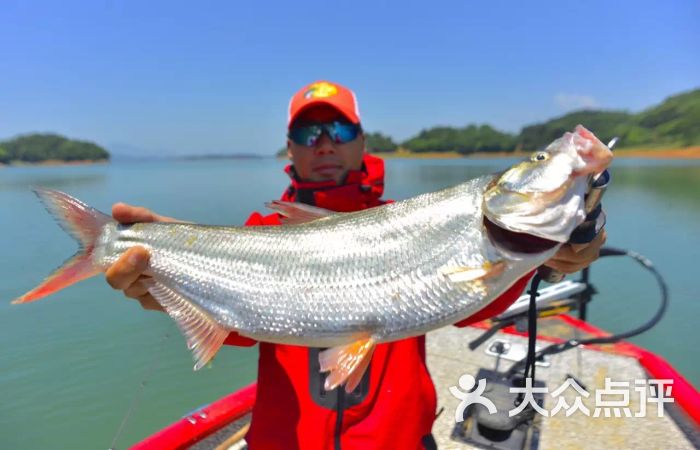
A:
[449,357]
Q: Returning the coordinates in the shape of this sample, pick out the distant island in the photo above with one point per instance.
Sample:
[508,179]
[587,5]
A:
[222,156]
[49,149]
[670,129]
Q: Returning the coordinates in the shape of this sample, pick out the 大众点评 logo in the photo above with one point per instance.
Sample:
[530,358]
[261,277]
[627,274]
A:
[613,400]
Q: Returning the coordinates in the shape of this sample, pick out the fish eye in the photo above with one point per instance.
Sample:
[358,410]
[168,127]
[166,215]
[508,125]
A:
[540,156]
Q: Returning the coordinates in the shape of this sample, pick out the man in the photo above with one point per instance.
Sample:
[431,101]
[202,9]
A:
[394,405]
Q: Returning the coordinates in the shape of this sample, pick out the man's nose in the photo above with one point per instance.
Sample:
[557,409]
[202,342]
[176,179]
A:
[324,145]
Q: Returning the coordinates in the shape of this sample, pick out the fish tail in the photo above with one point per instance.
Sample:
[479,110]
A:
[82,222]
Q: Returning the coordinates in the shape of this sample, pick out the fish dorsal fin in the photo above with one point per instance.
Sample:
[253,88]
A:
[296,213]
[346,363]
[204,336]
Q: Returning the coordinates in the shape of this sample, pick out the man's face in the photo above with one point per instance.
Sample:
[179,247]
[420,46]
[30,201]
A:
[325,161]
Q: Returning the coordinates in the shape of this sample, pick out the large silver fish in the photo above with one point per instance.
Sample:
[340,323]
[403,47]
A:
[347,280]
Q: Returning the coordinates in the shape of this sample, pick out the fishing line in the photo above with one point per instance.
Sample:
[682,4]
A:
[139,391]
[532,328]
[572,343]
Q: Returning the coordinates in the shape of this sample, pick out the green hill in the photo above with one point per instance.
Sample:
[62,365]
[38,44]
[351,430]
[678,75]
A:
[673,123]
[378,143]
[34,148]
[465,140]
[605,124]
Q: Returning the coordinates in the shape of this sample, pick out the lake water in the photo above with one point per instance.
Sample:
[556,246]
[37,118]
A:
[72,363]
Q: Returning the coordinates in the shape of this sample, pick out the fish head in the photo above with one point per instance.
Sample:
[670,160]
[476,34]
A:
[543,196]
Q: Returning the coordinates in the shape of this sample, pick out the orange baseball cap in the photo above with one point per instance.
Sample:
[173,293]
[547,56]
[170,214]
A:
[324,92]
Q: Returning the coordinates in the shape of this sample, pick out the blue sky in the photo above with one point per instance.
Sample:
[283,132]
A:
[185,78]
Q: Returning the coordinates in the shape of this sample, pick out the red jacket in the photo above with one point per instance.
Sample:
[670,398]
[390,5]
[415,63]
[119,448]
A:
[392,408]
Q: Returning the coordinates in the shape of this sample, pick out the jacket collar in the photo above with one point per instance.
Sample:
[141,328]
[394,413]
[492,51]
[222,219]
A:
[361,188]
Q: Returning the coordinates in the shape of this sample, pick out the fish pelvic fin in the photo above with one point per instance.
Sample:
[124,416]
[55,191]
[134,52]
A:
[347,363]
[82,222]
[296,213]
[474,274]
[204,335]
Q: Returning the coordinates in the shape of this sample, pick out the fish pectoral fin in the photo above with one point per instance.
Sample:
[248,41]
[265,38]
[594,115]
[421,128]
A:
[296,213]
[346,363]
[204,335]
[462,274]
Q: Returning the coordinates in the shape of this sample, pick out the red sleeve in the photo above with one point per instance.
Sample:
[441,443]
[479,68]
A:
[236,339]
[255,219]
[500,304]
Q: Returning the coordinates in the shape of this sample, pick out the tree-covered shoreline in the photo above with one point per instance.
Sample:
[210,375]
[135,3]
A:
[39,148]
[674,123]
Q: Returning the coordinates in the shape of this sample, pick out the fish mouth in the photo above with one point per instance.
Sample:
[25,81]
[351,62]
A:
[517,242]
[521,241]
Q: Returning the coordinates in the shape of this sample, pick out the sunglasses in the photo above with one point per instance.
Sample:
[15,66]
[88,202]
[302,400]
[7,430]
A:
[339,132]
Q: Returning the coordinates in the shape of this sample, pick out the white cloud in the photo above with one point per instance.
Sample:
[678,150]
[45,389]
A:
[575,101]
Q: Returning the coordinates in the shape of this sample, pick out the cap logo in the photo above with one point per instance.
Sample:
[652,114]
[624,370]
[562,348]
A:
[321,90]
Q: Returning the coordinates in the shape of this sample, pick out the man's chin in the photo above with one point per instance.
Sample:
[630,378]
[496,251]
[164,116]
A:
[335,175]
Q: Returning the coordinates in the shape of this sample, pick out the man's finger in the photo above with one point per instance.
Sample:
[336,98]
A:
[578,247]
[128,268]
[564,267]
[137,289]
[567,262]
[148,302]
[124,213]
[591,252]
[597,241]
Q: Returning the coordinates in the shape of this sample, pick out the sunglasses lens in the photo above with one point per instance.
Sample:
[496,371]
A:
[306,136]
[342,133]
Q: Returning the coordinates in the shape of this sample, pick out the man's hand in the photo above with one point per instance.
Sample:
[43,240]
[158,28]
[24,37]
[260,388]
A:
[128,272]
[573,257]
